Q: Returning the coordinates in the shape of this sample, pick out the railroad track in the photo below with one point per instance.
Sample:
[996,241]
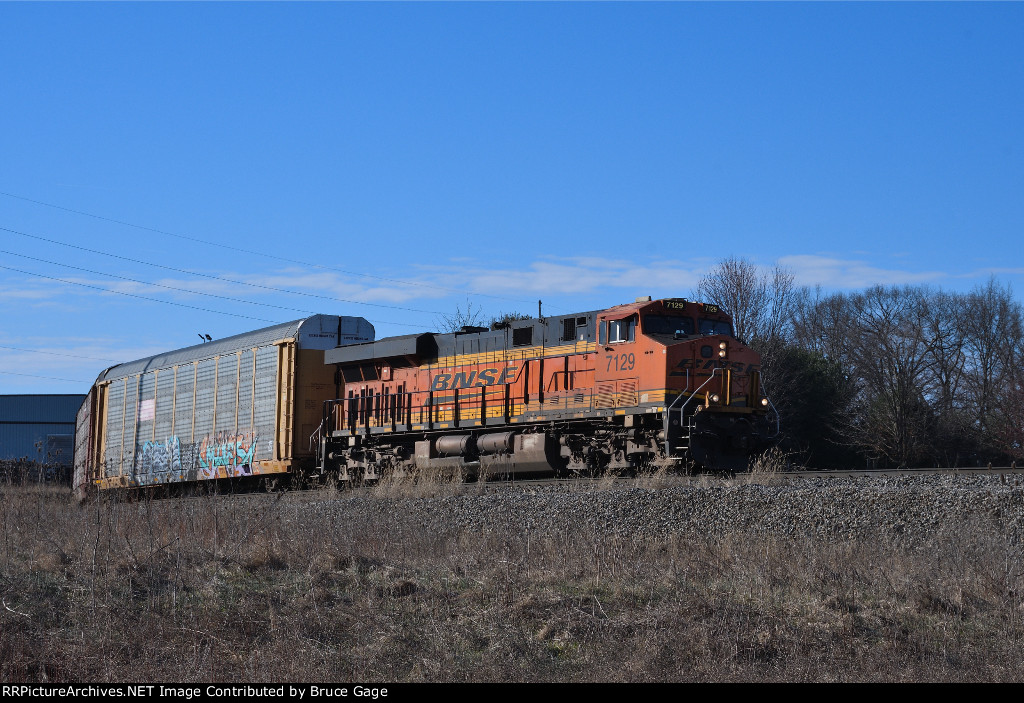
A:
[608,482]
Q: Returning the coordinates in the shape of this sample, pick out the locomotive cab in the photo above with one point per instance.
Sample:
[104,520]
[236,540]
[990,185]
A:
[700,380]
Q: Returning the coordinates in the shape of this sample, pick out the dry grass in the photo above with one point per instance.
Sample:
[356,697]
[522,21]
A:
[769,467]
[425,484]
[261,589]
[655,480]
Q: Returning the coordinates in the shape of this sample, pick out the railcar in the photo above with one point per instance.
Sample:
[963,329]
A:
[654,383]
[242,407]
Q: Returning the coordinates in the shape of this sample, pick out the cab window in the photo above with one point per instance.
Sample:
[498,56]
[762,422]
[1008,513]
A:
[709,326]
[621,330]
[668,325]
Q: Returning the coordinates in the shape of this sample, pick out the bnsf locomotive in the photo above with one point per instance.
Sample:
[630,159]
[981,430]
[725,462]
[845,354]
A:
[656,383]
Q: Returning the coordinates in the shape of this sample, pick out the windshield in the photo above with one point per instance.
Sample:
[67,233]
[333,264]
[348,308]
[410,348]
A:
[708,326]
[664,324]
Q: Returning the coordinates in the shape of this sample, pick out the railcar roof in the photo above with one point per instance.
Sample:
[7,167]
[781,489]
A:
[218,347]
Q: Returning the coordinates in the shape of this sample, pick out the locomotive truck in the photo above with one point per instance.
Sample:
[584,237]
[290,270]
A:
[651,384]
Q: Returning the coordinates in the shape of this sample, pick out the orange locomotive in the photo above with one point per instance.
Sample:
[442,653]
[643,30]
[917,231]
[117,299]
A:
[660,383]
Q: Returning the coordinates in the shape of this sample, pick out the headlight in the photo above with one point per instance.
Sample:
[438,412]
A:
[713,397]
[764,402]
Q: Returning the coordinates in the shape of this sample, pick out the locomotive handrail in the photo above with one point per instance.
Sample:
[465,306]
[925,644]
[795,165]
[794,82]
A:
[682,410]
[316,432]
[778,425]
[361,416]
[668,411]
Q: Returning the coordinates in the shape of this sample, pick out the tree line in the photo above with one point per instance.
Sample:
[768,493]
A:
[891,375]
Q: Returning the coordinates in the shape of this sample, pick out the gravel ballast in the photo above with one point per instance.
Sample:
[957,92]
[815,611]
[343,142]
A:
[832,506]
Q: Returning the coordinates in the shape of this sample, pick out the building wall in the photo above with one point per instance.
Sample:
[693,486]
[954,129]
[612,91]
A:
[38,427]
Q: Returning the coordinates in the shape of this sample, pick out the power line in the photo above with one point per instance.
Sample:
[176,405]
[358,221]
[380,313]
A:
[158,285]
[212,277]
[72,356]
[258,253]
[170,302]
[134,295]
[52,378]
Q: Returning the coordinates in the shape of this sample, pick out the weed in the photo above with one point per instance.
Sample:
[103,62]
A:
[257,589]
[768,467]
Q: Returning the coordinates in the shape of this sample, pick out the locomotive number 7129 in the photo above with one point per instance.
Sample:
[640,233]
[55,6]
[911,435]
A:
[622,362]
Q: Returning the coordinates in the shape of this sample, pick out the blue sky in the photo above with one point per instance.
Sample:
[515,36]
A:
[395,161]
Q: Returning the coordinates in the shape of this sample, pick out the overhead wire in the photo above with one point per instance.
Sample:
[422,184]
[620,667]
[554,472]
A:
[196,274]
[51,378]
[171,302]
[213,277]
[135,295]
[72,356]
[159,285]
[259,253]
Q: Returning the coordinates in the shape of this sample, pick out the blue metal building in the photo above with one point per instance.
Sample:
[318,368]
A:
[39,427]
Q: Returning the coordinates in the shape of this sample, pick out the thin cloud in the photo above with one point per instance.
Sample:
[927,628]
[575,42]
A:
[582,275]
[994,271]
[30,291]
[830,272]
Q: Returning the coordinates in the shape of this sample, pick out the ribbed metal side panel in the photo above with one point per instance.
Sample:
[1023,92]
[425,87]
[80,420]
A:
[155,449]
[245,392]
[83,440]
[113,436]
[145,416]
[183,402]
[204,398]
[131,417]
[266,401]
[164,404]
[227,389]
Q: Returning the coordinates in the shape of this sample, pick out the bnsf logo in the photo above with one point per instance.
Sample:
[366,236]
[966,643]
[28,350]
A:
[473,379]
[737,366]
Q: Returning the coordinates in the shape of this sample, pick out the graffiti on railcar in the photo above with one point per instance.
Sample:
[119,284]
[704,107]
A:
[224,456]
[161,457]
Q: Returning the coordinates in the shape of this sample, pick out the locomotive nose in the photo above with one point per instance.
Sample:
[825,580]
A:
[741,442]
[741,439]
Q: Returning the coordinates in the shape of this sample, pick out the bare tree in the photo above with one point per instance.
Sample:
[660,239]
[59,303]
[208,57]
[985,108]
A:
[473,316]
[937,375]
[992,326]
[504,319]
[822,323]
[759,301]
[470,316]
[891,346]
[1008,427]
[947,377]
